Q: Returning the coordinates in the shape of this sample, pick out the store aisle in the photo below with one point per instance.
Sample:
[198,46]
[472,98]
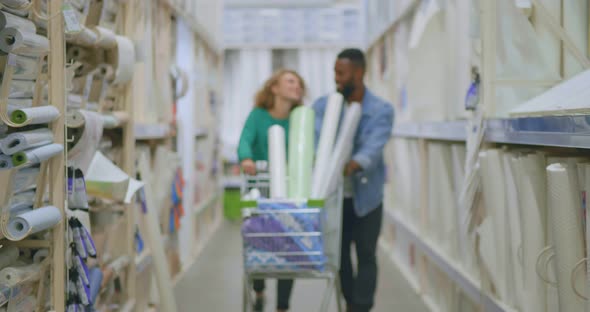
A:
[214,282]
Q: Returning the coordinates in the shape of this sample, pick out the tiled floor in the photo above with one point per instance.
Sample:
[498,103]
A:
[214,283]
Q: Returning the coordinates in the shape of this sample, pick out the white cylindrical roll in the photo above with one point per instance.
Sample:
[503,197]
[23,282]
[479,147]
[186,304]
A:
[106,37]
[15,275]
[326,142]
[278,162]
[8,256]
[17,41]
[16,4]
[5,162]
[125,60]
[40,255]
[10,20]
[81,154]
[32,222]
[25,68]
[565,206]
[20,141]
[36,115]
[36,155]
[342,149]
[25,179]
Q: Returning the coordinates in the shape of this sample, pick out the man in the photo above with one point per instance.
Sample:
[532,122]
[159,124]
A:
[364,179]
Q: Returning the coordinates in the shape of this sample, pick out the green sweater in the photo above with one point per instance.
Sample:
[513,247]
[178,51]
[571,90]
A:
[254,139]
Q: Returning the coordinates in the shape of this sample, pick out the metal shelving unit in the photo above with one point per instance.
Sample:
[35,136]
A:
[555,131]
[467,284]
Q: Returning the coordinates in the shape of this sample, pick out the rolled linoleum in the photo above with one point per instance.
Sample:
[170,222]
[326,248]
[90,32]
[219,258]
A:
[25,178]
[342,149]
[326,142]
[36,115]
[564,204]
[36,155]
[18,41]
[301,151]
[14,275]
[40,219]
[20,141]
[277,161]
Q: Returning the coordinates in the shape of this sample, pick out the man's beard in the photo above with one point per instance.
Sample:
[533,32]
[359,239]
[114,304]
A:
[347,90]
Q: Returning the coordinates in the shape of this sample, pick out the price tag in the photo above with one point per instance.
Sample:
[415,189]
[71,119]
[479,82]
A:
[71,19]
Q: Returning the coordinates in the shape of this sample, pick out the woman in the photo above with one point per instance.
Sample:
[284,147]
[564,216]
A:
[274,102]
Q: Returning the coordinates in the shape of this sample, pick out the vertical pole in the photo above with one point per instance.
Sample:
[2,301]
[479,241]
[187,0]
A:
[57,97]
[489,29]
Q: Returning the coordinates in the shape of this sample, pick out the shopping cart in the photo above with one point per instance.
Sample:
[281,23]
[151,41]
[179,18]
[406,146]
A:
[284,239]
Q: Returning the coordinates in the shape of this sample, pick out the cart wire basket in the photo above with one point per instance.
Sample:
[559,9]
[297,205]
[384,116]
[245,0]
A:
[288,239]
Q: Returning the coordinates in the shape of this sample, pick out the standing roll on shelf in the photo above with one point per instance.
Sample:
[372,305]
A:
[277,162]
[566,226]
[17,41]
[326,142]
[301,151]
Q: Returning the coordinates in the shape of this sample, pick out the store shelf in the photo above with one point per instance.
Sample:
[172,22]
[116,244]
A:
[468,285]
[207,202]
[446,131]
[556,131]
[151,131]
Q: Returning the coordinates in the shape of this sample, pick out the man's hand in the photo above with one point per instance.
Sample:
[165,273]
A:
[351,168]
[248,166]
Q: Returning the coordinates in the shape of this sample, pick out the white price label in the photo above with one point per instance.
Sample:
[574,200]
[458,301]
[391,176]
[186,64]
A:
[70,19]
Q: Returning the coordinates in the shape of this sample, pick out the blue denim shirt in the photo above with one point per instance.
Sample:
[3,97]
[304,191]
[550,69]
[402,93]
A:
[373,132]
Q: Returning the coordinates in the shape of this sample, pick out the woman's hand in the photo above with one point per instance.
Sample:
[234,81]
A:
[248,166]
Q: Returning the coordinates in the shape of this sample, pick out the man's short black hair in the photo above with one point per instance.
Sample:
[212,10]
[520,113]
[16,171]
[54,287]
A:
[355,56]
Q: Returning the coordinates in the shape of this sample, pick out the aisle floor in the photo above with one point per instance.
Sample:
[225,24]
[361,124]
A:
[214,283]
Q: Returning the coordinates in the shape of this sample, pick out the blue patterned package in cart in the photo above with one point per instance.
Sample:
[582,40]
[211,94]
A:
[279,238]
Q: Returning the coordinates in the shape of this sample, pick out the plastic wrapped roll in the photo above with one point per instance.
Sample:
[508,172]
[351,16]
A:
[5,162]
[106,38]
[16,4]
[16,275]
[32,222]
[326,142]
[301,138]
[8,20]
[20,141]
[8,256]
[17,41]
[342,148]
[277,161]
[25,68]
[36,155]
[125,60]
[566,226]
[24,179]
[36,115]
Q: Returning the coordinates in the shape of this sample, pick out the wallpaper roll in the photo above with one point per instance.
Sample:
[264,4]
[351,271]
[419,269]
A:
[125,60]
[15,275]
[342,149]
[106,38]
[301,151]
[20,141]
[16,4]
[24,179]
[8,20]
[326,141]
[37,115]
[86,37]
[564,203]
[278,162]
[17,41]
[22,202]
[8,256]
[25,68]
[32,222]
[20,89]
[36,155]
[5,162]
[40,255]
